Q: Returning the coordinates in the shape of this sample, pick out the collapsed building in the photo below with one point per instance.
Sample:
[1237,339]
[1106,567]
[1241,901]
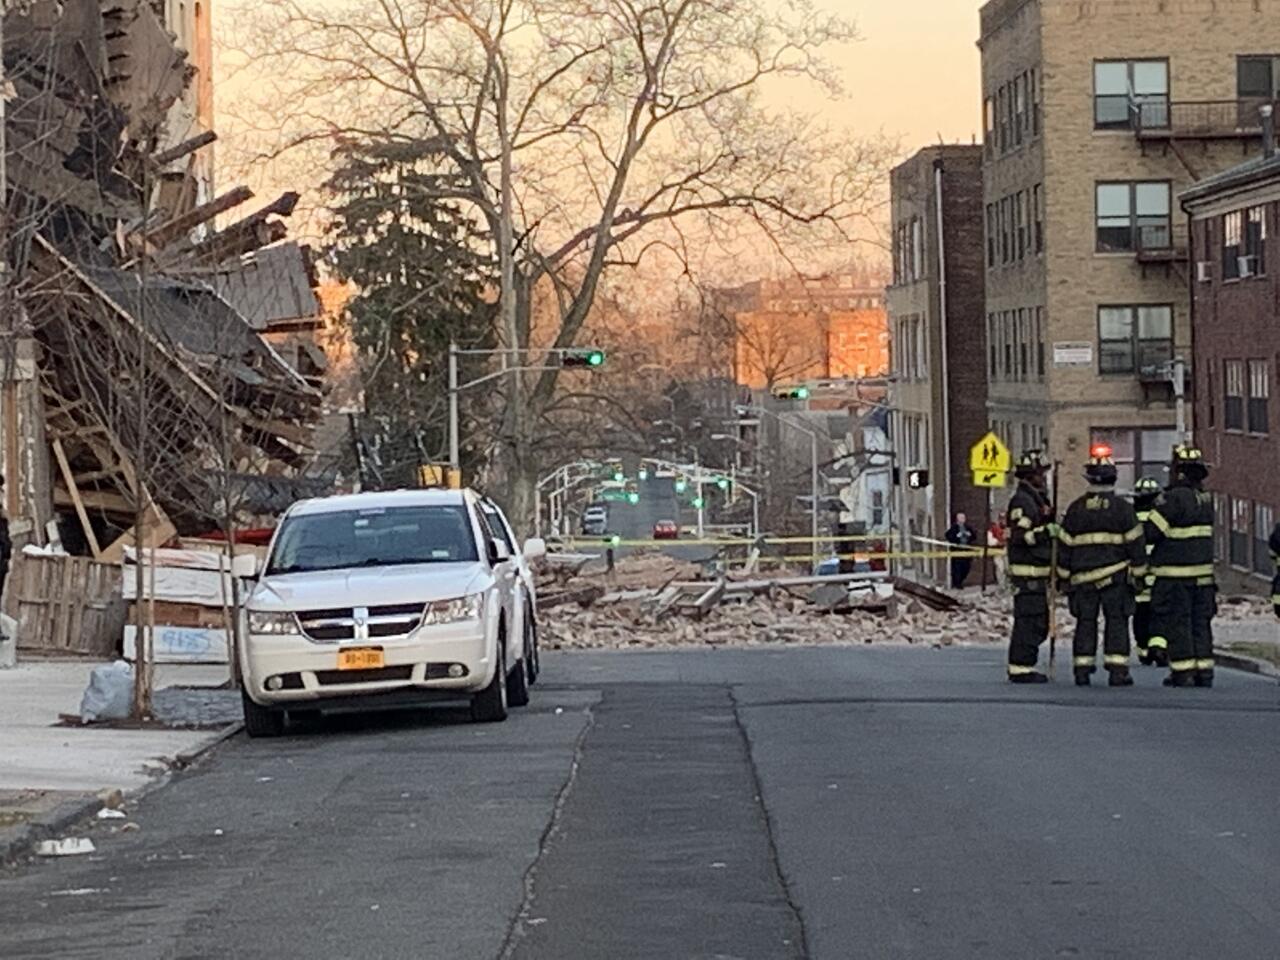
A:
[155,349]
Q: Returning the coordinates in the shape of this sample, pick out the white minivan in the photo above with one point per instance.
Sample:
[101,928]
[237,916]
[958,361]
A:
[384,599]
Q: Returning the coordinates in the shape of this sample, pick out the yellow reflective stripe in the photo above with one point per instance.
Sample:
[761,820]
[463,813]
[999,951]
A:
[1143,514]
[1204,663]
[1140,571]
[1093,539]
[1101,573]
[1030,538]
[1082,661]
[1202,531]
[1116,660]
[1161,523]
[1134,534]
[1017,670]
[1180,666]
[1275,598]
[1063,573]
[1028,570]
[1179,572]
[1157,643]
[1204,581]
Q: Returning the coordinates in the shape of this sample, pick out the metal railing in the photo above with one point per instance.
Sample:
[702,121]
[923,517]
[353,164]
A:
[1156,117]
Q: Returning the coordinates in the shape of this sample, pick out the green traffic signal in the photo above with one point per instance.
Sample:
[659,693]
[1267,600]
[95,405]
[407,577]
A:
[595,358]
[697,502]
[619,476]
[633,498]
[681,485]
[615,540]
[590,357]
[723,483]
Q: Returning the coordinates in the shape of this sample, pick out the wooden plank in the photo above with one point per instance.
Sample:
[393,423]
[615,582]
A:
[94,500]
[179,150]
[70,480]
[76,605]
[156,531]
[168,232]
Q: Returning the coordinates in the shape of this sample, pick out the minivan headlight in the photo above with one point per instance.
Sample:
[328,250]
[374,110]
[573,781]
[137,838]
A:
[453,611]
[273,624]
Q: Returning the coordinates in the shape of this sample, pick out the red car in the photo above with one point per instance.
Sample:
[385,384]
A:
[666,530]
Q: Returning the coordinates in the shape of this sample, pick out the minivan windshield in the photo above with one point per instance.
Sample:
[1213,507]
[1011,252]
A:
[373,537]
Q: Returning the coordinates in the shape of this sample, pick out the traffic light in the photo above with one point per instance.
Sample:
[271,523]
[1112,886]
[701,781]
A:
[643,474]
[633,498]
[697,503]
[722,483]
[681,484]
[791,393]
[917,479]
[587,357]
[619,476]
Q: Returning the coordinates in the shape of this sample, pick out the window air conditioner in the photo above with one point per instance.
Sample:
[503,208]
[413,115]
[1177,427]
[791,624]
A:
[1246,266]
[1204,271]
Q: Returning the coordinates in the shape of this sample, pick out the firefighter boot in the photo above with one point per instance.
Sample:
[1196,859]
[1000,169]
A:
[1146,656]
[1204,678]
[1181,678]
[1120,677]
[1032,677]
[1082,677]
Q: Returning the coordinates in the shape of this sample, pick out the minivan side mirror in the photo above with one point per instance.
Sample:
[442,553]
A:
[535,548]
[498,552]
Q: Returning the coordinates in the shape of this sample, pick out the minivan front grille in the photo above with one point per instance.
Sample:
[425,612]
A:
[339,624]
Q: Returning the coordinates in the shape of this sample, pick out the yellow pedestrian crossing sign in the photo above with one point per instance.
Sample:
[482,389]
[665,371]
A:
[990,455]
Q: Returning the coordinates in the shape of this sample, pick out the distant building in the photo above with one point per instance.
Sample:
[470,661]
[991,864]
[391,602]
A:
[938,392]
[1234,223]
[798,329]
[1096,115]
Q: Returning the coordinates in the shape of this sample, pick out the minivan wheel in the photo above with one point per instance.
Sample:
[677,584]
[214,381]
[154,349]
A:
[518,683]
[260,721]
[490,704]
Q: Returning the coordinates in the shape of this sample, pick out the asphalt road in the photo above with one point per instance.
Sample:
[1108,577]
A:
[826,803]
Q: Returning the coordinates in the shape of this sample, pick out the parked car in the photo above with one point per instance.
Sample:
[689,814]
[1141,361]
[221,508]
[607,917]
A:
[384,599]
[527,588]
[666,530]
[595,521]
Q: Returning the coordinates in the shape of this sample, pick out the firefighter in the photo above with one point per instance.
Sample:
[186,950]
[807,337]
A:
[1101,553]
[1031,533]
[1184,597]
[1145,492]
[1275,558]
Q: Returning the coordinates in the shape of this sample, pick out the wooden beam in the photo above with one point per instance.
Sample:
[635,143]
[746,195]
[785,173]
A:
[156,531]
[95,500]
[70,480]
[177,151]
[168,232]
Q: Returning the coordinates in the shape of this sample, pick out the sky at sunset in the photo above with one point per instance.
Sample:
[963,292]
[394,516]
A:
[915,72]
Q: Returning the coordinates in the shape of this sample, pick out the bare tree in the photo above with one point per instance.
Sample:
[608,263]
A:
[584,134]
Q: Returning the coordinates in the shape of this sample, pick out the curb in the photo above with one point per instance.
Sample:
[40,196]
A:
[187,757]
[1235,661]
[18,841]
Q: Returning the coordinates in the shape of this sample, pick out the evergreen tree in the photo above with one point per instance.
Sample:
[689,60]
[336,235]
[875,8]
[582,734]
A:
[423,275]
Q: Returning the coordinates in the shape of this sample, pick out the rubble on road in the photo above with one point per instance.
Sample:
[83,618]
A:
[651,600]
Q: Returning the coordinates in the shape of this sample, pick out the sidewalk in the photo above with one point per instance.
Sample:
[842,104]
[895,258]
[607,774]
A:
[51,773]
[1251,644]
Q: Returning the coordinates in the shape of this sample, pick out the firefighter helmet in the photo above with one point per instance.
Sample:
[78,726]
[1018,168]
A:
[1030,463]
[1189,462]
[1146,487]
[1101,469]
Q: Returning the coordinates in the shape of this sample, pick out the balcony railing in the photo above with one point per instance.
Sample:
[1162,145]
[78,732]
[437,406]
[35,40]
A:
[1156,118]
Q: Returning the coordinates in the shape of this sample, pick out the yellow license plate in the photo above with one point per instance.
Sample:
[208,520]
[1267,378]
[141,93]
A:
[360,658]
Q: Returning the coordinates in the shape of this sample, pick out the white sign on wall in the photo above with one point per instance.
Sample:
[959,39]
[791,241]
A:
[1073,354]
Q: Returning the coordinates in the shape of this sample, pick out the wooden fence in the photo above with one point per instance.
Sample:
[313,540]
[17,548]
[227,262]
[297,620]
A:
[66,605]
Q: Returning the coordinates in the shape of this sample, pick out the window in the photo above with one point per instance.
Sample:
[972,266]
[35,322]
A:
[1133,337]
[1123,88]
[1259,396]
[1039,343]
[1255,240]
[1005,245]
[1024,345]
[1233,408]
[1037,215]
[1006,337]
[373,537]
[1239,539]
[1211,397]
[991,346]
[1022,221]
[917,249]
[1232,235]
[1262,521]
[1033,93]
[989,125]
[1002,118]
[1257,78]
[991,235]
[1019,108]
[877,509]
[1133,216]
[1138,453]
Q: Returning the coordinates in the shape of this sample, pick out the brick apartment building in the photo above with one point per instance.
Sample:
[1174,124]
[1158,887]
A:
[935,303]
[1234,223]
[1096,116]
[796,330]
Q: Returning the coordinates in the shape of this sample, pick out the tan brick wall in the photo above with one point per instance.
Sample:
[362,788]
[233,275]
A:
[1201,40]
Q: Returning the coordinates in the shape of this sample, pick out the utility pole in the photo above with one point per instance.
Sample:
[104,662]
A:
[455,459]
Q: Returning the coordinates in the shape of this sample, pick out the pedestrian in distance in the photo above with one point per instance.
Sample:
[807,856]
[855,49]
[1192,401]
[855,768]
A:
[962,535]
[1274,543]
[997,539]
[1101,554]
[6,544]
[1032,530]
[1184,597]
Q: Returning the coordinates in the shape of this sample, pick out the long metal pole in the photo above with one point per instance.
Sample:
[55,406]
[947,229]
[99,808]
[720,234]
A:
[813,486]
[455,459]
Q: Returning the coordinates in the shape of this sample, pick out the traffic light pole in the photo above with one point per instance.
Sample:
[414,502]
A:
[455,459]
